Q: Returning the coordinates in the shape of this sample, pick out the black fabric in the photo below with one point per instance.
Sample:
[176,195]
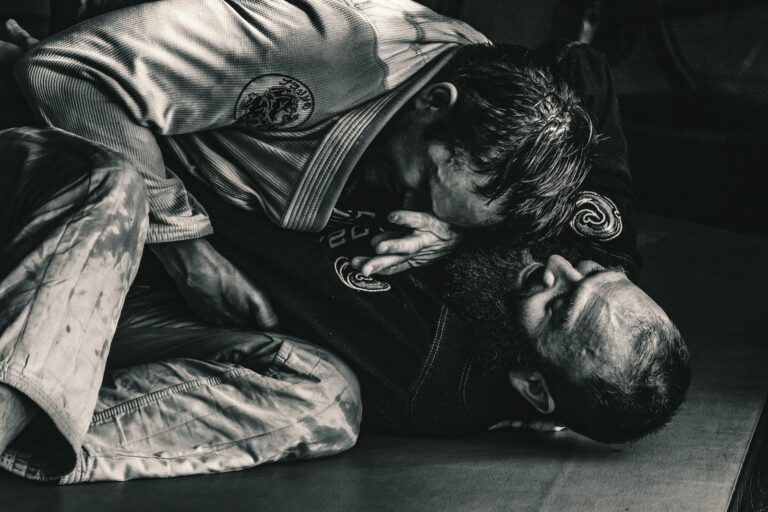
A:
[413,356]
[588,72]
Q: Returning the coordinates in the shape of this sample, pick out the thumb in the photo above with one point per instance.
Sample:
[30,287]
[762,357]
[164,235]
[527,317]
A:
[265,313]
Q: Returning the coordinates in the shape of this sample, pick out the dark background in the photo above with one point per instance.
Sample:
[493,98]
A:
[692,79]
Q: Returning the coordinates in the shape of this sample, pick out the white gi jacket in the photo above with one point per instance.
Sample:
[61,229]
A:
[270,102]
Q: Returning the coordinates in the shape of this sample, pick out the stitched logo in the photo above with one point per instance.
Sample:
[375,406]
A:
[355,280]
[596,216]
[271,102]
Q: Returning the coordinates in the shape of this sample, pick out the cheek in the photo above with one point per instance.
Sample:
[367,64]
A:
[447,203]
[463,208]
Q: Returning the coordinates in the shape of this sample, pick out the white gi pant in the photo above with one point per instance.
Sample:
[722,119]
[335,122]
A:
[160,394]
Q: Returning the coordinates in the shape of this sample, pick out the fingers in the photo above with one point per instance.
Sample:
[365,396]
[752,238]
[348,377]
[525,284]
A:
[19,36]
[359,261]
[388,235]
[385,265]
[397,268]
[9,52]
[265,314]
[406,245]
[370,266]
[415,220]
[422,221]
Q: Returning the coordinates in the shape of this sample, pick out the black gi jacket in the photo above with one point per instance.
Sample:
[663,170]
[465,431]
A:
[414,357]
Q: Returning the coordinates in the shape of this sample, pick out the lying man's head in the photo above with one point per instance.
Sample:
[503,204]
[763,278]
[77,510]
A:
[494,138]
[581,343]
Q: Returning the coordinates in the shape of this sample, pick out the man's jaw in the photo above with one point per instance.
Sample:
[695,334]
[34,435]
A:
[483,286]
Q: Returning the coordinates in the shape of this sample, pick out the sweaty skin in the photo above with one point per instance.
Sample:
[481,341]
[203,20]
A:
[576,313]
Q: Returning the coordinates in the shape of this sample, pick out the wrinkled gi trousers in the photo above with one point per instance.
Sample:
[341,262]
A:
[158,394]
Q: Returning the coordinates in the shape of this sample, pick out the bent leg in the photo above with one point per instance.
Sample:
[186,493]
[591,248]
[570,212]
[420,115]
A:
[247,398]
[72,228]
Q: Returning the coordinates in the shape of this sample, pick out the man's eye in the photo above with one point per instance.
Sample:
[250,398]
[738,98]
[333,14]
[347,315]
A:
[556,303]
[533,278]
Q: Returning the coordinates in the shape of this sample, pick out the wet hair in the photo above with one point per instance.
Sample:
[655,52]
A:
[522,127]
[624,404]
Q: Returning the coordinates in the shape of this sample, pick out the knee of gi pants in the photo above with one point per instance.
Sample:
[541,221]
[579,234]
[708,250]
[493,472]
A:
[49,175]
[345,387]
[330,379]
[116,183]
[73,219]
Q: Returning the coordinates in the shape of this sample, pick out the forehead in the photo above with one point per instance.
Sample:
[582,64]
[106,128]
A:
[600,331]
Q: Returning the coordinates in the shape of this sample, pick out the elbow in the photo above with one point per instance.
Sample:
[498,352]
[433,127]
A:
[27,67]
[46,83]
[29,72]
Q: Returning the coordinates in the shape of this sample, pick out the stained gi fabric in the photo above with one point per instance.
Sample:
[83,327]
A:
[179,397]
[72,224]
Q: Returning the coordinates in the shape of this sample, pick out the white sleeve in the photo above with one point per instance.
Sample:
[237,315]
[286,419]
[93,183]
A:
[162,68]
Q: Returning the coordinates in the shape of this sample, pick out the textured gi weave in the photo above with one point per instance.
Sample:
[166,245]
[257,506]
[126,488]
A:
[271,102]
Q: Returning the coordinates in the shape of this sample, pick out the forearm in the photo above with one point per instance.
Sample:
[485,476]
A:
[92,85]
[213,287]
[178,258]
[80,108]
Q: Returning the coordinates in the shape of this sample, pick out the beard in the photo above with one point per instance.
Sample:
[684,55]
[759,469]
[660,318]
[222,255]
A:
[482,286]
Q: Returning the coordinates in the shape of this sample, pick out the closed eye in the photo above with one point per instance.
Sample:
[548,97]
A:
[563,303]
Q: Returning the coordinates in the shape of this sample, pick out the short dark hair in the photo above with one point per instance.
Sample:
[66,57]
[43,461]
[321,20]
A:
[627,404]
[522,126]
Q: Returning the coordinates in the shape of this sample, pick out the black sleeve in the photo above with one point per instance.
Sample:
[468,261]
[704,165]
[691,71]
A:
[601,227]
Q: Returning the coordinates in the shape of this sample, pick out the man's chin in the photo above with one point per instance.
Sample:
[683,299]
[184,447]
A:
[479,280]
[482,285]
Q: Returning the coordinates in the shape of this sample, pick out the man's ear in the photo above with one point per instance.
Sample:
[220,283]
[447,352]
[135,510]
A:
[436,96]
[531,385]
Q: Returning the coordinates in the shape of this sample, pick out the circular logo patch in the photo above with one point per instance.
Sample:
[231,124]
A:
[271,102]
[596,216]
[355,280]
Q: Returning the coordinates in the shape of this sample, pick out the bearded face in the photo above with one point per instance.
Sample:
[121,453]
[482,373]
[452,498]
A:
[483,286]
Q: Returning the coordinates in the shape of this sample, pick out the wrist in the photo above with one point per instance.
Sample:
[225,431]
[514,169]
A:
[178,258]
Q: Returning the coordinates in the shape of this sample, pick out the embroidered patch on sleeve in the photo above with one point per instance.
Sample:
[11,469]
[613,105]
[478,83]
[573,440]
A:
[596,217]
[271,102]
[356,280]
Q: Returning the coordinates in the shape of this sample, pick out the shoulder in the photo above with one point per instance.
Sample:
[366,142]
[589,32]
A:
[601,227]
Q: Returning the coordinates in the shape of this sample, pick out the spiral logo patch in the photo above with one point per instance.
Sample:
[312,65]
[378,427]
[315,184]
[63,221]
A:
[271,102]
[355,280]
[596,217]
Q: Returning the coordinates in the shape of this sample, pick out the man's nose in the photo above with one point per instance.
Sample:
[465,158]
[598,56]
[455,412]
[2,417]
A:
[559,269]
